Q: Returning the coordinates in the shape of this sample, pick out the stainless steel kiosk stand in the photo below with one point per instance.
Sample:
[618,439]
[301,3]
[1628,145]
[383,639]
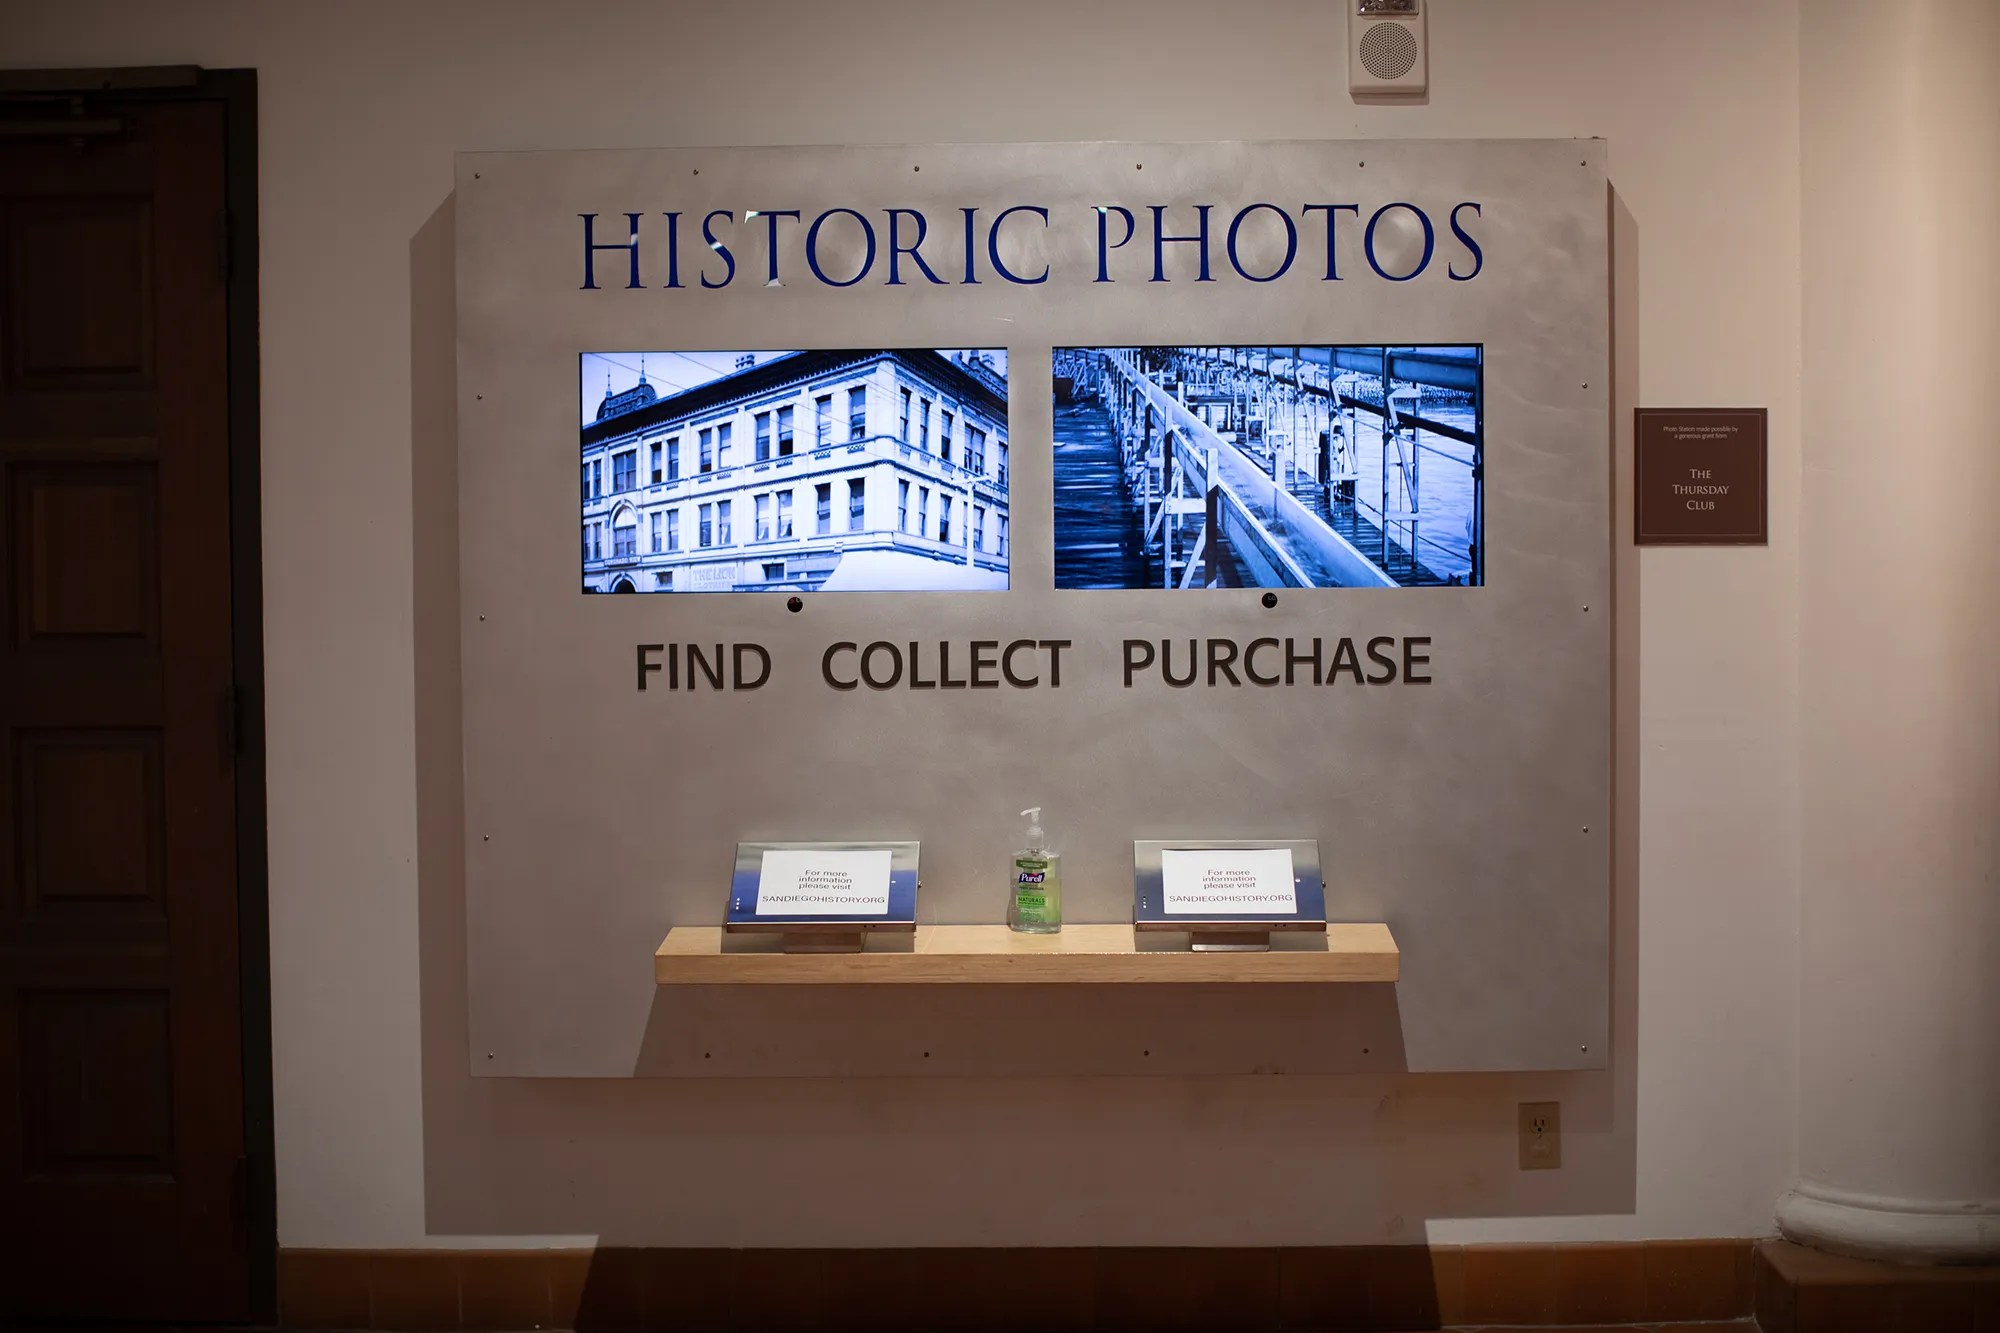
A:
[822,932]
[1232,931]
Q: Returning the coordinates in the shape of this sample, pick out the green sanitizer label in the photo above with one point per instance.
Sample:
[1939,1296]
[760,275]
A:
[1035,890]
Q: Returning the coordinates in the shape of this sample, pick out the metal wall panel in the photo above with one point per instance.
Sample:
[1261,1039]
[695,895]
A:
[1471,813]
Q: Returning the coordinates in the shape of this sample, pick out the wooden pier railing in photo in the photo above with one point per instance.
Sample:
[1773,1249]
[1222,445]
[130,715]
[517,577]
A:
[1240,466]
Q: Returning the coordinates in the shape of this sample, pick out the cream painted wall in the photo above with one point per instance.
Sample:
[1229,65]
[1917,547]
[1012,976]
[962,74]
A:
[383,1141]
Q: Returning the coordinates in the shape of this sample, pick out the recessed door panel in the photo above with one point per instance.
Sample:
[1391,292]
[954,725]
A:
[88,819]
[83,313]
[87,552]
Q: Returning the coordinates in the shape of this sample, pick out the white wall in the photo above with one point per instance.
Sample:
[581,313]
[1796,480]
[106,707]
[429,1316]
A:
[383,1141]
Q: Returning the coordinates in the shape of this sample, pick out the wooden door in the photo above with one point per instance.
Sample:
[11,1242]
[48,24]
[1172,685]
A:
[121,1099]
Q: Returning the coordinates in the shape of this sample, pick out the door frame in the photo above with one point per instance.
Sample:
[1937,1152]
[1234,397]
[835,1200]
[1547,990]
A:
[236,91]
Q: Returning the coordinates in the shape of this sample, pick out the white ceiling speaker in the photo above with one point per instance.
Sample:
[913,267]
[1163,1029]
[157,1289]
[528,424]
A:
[1386,48]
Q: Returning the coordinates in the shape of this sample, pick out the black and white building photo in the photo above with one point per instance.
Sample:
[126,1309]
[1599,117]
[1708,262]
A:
[857,470]
[1315,467]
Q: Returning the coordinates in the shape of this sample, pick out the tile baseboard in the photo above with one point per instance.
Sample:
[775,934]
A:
[1393,1287]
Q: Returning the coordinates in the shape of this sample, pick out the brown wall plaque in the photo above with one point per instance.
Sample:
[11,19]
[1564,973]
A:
[1700,476]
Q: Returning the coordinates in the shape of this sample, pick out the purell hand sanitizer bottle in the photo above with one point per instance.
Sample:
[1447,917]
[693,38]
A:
[1035,902]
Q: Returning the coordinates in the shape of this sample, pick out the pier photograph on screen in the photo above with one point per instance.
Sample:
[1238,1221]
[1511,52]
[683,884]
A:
[1265,467]
[872,470]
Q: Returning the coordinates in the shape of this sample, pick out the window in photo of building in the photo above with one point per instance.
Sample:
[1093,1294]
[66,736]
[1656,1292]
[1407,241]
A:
[1000,473]
[1000,545]
[934,415]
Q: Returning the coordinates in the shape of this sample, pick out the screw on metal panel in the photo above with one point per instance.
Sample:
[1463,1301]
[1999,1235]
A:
[1586,828]
[1364,1050]
[1584,1049]
[480,396]
[475,175]
[486,837]
[918,169]
[697,171]
[704,1055]
[795,604]
[1270,600]
[489,1055]
[482,617]
[1139,167]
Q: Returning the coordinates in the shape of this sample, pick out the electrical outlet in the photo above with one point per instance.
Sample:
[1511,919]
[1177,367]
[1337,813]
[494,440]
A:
[1541,1126]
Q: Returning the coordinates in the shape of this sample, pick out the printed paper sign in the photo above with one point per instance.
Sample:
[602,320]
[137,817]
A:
[1221,884]
[813,882]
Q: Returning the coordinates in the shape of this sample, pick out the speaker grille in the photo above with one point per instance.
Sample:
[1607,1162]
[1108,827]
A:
[1388,51]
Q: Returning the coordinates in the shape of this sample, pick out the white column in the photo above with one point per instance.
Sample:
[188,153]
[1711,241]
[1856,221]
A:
[1899,1043]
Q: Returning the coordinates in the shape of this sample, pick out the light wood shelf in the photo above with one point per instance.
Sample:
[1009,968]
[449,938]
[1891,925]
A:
[943,955]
